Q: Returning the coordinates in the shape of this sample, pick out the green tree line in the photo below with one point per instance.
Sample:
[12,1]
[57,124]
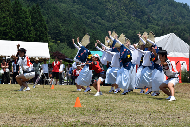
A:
[58,21]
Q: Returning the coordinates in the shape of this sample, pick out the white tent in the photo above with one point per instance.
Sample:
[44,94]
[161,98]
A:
[173,45]
[34,49]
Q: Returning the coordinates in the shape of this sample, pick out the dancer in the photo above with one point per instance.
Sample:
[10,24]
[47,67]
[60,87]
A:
[123,75]
[157,74]
[83,55]
[27,67]
[146,75]
[76,74]
[173,79]
[111,73]
[96,65]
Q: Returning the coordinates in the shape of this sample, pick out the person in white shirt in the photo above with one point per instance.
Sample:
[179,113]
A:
[45,71]
[61,73]
[167,86]
[27,68]
[15,71]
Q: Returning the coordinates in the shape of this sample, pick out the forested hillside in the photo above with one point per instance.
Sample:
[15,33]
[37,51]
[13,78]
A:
[67,19]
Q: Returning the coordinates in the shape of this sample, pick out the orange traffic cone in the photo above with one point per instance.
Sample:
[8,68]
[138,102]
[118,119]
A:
[77,103]
[52,87]
[146,89]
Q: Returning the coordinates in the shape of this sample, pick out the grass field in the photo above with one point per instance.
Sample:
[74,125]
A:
[54,107]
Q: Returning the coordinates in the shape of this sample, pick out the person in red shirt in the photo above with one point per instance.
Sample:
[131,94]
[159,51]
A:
[96,65]
[55,71]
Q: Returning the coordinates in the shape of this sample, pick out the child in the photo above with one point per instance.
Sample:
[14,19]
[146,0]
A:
[76,74]
[172,75]
[96,65]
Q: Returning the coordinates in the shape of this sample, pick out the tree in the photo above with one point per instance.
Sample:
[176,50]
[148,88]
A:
[22,23]
[5,20]
[38,24]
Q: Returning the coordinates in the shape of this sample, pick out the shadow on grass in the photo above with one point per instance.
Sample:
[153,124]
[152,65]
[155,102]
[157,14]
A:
[157,98]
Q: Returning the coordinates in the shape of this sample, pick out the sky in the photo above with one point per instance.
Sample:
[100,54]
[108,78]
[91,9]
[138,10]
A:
[183,1]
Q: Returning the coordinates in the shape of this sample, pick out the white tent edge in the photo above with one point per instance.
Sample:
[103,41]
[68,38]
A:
[34,49]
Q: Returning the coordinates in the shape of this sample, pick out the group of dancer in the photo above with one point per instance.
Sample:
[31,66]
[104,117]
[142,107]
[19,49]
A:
[122,65]
[141,65]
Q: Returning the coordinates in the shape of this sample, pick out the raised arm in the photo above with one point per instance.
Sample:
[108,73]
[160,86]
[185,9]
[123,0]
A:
[98,47]
[151,41]
[154,51]
[109,32]
[78,42]
[112,53]
[75,44]
[119,42]
[103,45]
[131,47]
[138,49]
[142,40]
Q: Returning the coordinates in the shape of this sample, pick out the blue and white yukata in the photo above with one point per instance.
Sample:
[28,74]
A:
[85,76]
[123,75]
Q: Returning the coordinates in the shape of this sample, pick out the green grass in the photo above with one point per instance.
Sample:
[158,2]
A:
[47,107]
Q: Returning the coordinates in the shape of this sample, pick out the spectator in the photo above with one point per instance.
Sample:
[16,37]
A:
[37,68]
[15,71]
[50,69]
[69,73]
[55,71]
[4,66]
[74,66]
[9,70]
[61,73]
[45,71]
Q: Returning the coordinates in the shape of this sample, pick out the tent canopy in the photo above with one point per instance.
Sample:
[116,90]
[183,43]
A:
[175,46]
[33,49]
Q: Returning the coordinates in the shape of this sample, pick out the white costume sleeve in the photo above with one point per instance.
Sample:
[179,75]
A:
[142,41]
[111,38]
[76,46]
[143,52]
[131,47]
[99,49]
[151,42]
[118,41]
[79,44]
[105,46]
[112,53]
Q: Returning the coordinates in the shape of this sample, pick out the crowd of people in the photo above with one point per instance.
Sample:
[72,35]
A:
[124,66]
[17,65]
